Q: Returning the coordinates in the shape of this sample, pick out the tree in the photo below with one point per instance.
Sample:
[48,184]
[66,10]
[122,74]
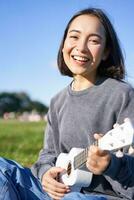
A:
[19,102]
[9,103]
[39,107]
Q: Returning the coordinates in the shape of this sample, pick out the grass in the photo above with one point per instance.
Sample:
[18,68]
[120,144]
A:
[21,141]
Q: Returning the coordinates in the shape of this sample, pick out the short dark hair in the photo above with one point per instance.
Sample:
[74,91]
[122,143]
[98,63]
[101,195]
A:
[113,66]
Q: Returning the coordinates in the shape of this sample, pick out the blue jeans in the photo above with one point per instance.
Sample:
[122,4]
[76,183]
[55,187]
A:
[80,196]
[18,183]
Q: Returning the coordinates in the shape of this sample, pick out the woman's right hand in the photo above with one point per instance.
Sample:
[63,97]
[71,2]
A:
[50,184]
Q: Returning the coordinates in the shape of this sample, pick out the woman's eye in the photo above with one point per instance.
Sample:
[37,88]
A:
[94,41]
[73,36]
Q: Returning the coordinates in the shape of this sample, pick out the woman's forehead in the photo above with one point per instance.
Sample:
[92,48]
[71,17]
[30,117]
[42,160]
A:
[87,23]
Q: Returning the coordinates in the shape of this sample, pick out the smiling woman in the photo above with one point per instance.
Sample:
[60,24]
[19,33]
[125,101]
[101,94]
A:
[92,103]
[83,50]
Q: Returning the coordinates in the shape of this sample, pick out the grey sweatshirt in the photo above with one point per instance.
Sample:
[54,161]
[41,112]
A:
[74,117]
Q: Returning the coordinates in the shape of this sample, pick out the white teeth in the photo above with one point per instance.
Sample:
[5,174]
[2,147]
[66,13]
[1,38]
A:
[79,58]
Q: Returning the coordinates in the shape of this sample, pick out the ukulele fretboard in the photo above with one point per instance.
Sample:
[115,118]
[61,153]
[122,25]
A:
[80,159]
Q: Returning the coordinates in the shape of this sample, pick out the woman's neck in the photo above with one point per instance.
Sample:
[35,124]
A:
[81,83]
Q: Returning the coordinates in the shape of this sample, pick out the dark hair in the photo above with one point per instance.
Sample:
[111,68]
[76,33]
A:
[113,66]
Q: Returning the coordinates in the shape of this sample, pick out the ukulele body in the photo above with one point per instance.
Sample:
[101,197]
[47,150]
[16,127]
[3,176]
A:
[76,178]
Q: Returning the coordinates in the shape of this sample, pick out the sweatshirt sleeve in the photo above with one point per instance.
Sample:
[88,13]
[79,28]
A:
[126,99]
[47,155]
[120,173]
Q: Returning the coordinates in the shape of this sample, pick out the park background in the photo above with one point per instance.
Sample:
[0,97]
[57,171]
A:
[30,34]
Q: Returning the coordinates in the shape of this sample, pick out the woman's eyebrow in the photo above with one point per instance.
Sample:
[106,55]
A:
[92,34]
[73,30]
[95,34]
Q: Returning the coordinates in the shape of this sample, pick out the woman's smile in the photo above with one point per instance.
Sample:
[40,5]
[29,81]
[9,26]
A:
[81,59]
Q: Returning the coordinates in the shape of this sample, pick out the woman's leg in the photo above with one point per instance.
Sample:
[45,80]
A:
[18,183]
[80,196]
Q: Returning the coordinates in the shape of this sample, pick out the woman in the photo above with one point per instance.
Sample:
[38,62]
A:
[96,99]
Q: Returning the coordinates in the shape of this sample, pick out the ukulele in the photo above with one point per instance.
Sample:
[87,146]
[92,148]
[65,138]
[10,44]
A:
[77,177]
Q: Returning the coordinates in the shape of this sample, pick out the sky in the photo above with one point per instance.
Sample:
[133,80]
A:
[30,35]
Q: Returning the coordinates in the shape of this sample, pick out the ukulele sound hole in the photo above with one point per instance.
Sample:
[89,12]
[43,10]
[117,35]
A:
[69,169]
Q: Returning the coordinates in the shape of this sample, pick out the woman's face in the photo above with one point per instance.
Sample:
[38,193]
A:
[84,46]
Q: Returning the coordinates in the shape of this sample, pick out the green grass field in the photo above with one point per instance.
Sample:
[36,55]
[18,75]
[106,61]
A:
[21,141]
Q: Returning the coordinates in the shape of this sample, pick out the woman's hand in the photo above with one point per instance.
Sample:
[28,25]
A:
[50,184]
[97,160]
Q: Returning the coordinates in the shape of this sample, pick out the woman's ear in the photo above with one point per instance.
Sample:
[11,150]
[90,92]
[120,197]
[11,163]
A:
[105,54]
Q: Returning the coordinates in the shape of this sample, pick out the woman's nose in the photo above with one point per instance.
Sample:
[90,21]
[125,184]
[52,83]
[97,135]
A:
[82,46]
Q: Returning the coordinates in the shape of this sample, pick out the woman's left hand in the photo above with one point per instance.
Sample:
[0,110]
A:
[97,160]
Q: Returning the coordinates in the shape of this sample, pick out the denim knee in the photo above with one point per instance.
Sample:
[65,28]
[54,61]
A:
[80,196]
[7,189]
[17,180]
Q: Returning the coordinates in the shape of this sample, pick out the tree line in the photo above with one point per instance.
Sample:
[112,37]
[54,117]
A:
[19,103]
